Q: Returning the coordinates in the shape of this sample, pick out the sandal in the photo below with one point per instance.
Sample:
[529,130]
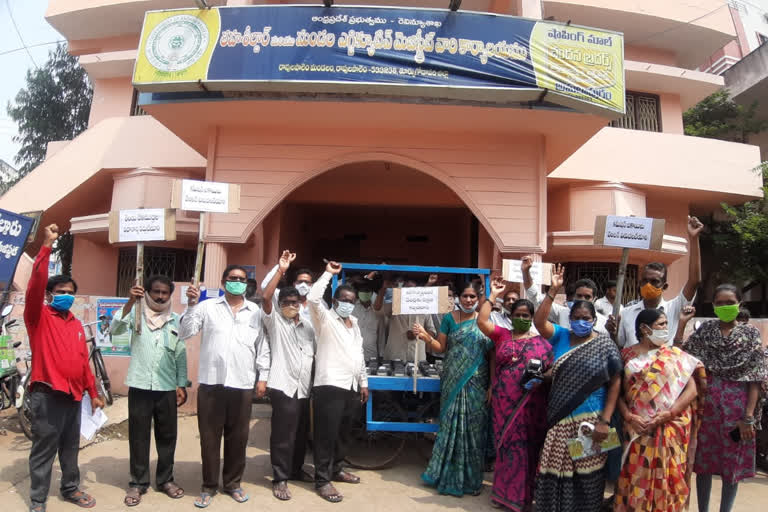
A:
[37,508]
[280,490]
[237,494]
[329,493]
[203,500]
[346,477]
[80,499]
[172,490]
[133,496]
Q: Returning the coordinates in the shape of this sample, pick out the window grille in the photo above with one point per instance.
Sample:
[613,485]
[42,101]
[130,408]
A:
[601,273]
[178,264]
[642,113]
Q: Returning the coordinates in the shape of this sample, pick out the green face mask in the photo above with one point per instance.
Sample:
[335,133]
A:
[236,287]
[364,296]
[521,324]
[728,313]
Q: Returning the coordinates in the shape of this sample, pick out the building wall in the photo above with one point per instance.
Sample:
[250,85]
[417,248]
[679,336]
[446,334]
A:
[111,98]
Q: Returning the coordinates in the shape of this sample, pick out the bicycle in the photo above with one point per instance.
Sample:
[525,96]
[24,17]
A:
[97,360]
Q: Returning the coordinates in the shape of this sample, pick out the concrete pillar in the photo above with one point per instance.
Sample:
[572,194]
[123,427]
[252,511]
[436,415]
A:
[215,263]
[530,9]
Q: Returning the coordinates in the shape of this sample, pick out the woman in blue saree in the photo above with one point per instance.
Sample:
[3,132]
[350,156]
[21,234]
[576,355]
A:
[458,457]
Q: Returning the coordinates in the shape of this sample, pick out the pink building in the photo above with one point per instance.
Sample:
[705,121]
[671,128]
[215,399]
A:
[422,179]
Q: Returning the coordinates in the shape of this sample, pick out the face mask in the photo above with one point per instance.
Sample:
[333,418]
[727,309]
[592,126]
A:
[569,304]
[364,296]
[303,289]
[521,324]
[659,337]
[727,314]
[650,292]
[289,312]
[581,328]
[235,287]
[344,309]
[64,302]
[468,310]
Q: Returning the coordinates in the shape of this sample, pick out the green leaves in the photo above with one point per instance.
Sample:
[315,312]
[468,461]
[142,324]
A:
[54,105]
[719,117]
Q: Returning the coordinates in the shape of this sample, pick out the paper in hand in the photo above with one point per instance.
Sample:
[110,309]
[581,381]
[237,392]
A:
[90,422]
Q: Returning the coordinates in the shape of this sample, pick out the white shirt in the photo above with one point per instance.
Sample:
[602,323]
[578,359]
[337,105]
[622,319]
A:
[286,355]
[228,343]
[561,315]
[339,361]
[303,307]
[672,308]
[605,307]
[398,345]
[369,322]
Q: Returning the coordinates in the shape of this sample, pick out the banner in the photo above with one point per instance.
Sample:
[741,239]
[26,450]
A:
[14,230]
[254,47]
[119,345]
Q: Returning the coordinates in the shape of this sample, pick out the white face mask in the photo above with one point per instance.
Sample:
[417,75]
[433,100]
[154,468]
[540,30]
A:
[659,337]
[344,309]
[303,289]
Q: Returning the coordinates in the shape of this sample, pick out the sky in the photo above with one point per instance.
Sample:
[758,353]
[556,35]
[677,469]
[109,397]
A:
[30,19]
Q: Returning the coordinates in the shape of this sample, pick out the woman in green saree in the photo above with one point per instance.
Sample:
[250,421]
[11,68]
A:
[458,457]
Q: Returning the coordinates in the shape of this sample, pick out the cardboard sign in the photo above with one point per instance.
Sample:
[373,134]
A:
[14,230]
[541,273]
[629,232]
[205,196]
[421,300]
[142,225]
[36,216]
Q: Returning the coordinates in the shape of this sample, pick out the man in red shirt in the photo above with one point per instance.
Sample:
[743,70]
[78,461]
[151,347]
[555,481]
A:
[60,375]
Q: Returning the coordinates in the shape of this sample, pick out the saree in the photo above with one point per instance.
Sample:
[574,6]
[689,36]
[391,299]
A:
[458,456]
[654,476]
[519,419]
[579,380]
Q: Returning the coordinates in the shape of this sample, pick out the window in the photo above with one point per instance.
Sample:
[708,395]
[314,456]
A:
[178,264]
[601,273]
[642,113]
[762,38]
[136,110]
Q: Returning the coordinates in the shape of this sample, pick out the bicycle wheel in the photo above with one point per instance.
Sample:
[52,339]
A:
[377,449]
[102,380]
[25,413]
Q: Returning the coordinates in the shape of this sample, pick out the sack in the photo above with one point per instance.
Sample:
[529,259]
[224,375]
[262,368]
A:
[583,446]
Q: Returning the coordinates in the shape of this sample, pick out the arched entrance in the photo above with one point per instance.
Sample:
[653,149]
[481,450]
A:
[375,211]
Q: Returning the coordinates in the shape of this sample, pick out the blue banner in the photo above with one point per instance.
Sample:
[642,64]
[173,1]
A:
[14,230]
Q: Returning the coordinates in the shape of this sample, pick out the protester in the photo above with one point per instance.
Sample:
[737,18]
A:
[401,340]
[659,387]
[368,320]
[231,330]
[735,363]
[500,314]
[61,374]
[302,281]
[519,413]
[583,289]
[341,382]
[604,305]
[653,282]
[157,380]
[586,381]
[458,457]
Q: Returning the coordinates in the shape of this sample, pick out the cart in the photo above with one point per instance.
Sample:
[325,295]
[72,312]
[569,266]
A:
[399,408]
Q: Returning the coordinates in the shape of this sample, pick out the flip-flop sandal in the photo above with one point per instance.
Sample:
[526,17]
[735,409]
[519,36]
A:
[237,494]
[80,499]
[133,497]
[203,500]
[280,491]
[37,508]
[346,478]
[172,490]
[329,493]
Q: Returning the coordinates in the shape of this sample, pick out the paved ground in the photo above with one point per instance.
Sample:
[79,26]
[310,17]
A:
[104,467]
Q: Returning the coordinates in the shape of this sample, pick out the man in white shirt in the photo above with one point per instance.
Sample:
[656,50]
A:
[653,282]
[285,367]
[368,320]
[231,331]
[401,341]
[584,289]
[341,383]
[302,281]
[604,305]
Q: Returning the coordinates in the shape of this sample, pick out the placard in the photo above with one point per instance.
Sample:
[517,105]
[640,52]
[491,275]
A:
[120,344]
[14,230]
[541,273]
[629,232]
[427,300]
[205,196]
[142,225]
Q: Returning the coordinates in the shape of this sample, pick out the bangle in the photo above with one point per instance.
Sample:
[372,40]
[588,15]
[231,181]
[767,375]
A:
[550,297]
[749,420]
[603,421]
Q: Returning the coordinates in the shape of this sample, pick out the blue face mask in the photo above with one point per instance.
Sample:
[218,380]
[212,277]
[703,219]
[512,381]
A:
[62,302]
[581,328]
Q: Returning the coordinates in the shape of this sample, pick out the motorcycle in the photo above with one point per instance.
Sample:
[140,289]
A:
[12,382]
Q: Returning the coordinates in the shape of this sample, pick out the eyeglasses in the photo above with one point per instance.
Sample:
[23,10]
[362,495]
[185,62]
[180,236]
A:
[237,279]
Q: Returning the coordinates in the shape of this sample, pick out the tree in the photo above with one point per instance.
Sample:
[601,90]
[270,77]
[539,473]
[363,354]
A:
[54,105]
[719,117]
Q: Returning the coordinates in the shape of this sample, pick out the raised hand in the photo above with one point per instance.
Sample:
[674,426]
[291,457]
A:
[51,234]
[333,267]
[136,293]
[526,263]
[193,294]
[694,226]
[558,277]
[285,260]
[497,287]
[686,314]
[432,280]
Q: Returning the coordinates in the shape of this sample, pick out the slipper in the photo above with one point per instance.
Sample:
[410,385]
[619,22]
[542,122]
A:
[133,496]
[80,499]
[172,490]
[203,500]
[346,477]
[237,494]
[37,508]
[280,490]
[329,493]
